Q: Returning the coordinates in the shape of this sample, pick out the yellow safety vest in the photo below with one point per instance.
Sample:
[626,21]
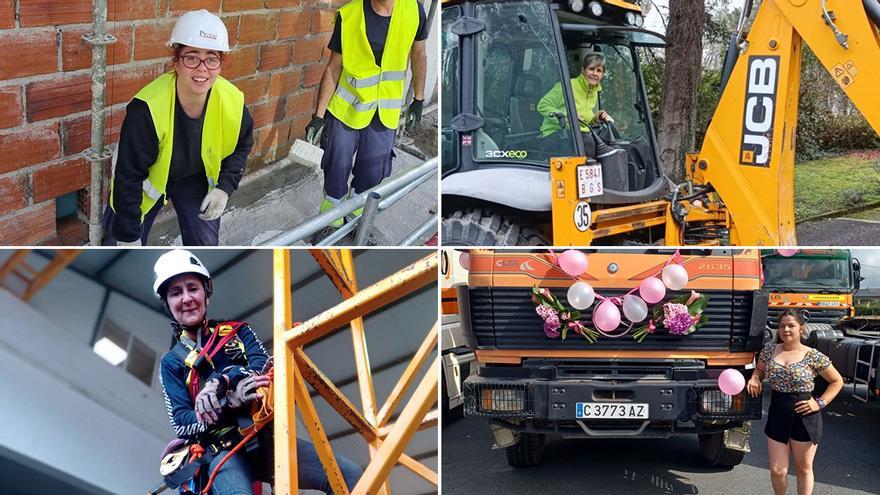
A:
[363,86]
[219,133]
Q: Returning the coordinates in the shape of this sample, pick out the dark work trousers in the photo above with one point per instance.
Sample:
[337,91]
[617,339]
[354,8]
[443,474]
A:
[186,195]
[373,146]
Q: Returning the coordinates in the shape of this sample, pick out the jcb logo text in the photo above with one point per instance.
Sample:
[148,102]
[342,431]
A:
[757,133]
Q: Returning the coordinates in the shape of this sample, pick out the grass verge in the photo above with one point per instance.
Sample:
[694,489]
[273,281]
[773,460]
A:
[836,184]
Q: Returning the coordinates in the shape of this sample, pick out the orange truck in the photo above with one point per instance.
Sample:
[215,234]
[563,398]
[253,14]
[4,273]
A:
[821,282]
[528,385]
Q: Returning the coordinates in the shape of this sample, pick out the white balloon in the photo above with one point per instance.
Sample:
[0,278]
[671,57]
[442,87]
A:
[581,295]
[675,276]
[634,308]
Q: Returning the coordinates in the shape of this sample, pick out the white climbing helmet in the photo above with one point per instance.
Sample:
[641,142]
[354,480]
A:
[178,262]
[200,29]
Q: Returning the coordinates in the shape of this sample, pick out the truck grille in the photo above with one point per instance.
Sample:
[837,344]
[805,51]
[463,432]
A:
[505,318]
[816,315]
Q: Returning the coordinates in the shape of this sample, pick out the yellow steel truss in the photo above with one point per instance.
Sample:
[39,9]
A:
[35,279]
[293,369]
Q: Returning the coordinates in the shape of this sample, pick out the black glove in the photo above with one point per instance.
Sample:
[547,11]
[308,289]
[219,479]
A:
[313,130]
[414,114]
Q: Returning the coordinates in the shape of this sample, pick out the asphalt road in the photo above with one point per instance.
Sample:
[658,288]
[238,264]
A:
[847,461]
[839,232]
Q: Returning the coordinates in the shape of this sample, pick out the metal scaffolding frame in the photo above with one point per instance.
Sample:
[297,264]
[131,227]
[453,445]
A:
[35,279]
[293,369]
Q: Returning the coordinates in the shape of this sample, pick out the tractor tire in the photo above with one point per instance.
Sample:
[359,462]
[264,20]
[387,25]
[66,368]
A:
[527,452]
[716,454]
[485,227]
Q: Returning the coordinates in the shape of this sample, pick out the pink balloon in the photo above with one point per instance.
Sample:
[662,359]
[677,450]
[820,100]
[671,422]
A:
[465,260]
[573,262]
[731,381]
[787,252]
[652,290]
[606,317]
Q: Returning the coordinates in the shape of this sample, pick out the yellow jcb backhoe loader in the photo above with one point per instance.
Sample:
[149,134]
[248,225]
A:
[507,183]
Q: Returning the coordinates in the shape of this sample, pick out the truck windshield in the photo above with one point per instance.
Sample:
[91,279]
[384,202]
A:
[517,63]
[808,274]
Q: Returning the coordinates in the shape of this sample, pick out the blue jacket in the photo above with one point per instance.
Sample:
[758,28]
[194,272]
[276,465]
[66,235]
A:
[242,356]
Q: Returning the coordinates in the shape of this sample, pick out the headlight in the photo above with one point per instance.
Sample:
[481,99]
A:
[715,401]
[503,400]
[630,18]
[640,20]
[576,5]
[595,9]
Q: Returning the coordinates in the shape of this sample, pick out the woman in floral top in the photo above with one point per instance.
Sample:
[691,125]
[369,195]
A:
[794,421]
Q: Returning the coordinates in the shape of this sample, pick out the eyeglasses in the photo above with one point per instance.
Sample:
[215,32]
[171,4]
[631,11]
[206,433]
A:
[193,62]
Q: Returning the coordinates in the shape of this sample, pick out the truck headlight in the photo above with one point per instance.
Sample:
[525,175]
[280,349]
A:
[576,5]
[595,9]
[717,402]
[630,18]
[503,400]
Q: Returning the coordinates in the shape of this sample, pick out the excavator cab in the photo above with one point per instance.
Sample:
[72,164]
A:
[500,58]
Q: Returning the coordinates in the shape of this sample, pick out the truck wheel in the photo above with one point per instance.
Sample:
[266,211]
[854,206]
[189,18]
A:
[716,454]
[485,227]
[527,452]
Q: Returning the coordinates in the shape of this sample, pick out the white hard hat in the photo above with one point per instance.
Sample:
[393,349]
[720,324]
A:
[200,29]
[178,262]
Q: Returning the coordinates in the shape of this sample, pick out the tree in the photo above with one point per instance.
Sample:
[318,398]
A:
[687,20]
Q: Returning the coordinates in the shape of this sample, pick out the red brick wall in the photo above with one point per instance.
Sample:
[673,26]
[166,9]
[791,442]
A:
[278,55]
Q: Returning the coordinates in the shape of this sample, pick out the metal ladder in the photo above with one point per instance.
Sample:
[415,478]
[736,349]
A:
[870,373]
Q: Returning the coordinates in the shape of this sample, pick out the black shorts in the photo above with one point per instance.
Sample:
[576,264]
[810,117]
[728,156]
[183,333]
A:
[784,424]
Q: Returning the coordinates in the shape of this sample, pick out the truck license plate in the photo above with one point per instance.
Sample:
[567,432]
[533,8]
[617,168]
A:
[604,410]
[589,181]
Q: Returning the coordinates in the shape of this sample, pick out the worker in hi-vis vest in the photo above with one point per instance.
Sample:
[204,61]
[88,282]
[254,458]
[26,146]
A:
[362,93]
[186,137]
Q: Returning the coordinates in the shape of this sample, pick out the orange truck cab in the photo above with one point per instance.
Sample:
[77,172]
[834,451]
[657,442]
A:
[528,385]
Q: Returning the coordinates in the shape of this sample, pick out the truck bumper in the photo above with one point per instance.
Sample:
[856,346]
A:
[550,406]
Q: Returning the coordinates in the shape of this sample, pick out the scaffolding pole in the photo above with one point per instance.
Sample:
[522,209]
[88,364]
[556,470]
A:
[97,154]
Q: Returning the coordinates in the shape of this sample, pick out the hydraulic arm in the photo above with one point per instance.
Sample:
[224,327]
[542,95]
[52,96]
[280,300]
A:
[748,153]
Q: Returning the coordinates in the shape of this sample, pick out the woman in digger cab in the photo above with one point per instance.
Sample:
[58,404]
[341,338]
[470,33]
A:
[794,419]
[211,376]
[186,137]
[585,88]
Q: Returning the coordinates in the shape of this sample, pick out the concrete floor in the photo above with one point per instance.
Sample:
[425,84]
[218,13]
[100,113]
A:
[279,198]
[846,461]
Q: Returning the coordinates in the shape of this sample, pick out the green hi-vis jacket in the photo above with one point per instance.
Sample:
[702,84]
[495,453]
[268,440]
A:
[585,101]
[364,87]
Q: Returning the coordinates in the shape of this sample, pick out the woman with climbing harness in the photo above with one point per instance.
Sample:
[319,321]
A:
[186,137]
[211,378]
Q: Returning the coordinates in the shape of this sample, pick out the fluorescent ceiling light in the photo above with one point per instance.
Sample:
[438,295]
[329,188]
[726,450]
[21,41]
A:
[108,350]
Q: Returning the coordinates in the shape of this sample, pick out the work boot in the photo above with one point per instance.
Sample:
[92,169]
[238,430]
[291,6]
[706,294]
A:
[328,205]
[356,213]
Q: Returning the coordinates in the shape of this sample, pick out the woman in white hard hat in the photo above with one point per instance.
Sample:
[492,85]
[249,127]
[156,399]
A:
[210,376]
[186,137]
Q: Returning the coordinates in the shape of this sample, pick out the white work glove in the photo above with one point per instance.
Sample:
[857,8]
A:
[136,243]
[207,403]
[213,204]
[246,390]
